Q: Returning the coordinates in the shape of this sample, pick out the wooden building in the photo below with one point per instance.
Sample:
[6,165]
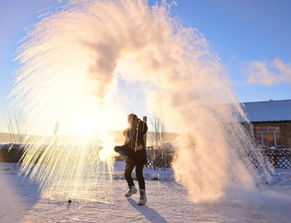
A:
[272,122]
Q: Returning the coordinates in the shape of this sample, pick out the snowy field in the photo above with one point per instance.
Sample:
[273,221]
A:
[167,202]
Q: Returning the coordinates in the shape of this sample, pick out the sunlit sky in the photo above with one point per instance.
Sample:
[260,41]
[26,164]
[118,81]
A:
[245,34]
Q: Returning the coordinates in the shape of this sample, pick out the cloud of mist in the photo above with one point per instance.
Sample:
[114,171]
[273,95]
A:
[268,73]
[70,64]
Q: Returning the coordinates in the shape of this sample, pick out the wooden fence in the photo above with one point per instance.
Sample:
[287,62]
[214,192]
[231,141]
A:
[11,153]
[162,157]
[278,158]
[159,157]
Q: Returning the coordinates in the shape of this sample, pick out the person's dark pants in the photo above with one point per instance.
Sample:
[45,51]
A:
[139,173]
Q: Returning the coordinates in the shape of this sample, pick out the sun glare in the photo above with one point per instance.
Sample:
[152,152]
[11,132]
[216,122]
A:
[83,128]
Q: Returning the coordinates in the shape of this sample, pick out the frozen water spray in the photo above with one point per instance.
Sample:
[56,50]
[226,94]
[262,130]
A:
[71,62]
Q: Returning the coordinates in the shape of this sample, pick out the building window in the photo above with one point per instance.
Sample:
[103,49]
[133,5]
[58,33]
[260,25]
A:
[268,135]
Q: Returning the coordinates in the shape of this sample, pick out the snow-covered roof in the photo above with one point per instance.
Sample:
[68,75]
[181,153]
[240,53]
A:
[266,111]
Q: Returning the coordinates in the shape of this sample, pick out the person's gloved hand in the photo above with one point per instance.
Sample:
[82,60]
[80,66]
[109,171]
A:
[121,150]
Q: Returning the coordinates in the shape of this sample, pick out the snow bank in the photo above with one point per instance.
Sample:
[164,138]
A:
[11,205]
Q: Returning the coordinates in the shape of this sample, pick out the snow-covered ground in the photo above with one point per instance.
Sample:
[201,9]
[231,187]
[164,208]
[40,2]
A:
[167,202]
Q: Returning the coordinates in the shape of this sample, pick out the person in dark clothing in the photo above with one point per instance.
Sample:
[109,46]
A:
[134,148]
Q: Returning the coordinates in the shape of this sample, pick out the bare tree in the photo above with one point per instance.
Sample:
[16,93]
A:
[159,155]
[16,128]
[158,133]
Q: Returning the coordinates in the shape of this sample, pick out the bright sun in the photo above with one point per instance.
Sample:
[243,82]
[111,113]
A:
[83,128]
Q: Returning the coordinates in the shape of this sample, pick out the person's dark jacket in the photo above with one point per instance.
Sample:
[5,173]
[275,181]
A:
[134,138]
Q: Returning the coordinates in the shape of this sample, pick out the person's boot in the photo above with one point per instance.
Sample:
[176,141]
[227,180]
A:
[142,198]
[132,190]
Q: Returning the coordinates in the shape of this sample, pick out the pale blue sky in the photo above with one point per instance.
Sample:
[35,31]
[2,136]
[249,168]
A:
[239,31]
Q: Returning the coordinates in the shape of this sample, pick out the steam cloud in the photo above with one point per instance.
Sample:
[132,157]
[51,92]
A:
[70,63]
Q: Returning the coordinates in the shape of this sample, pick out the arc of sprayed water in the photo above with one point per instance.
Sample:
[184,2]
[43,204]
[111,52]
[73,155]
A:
[67,73]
